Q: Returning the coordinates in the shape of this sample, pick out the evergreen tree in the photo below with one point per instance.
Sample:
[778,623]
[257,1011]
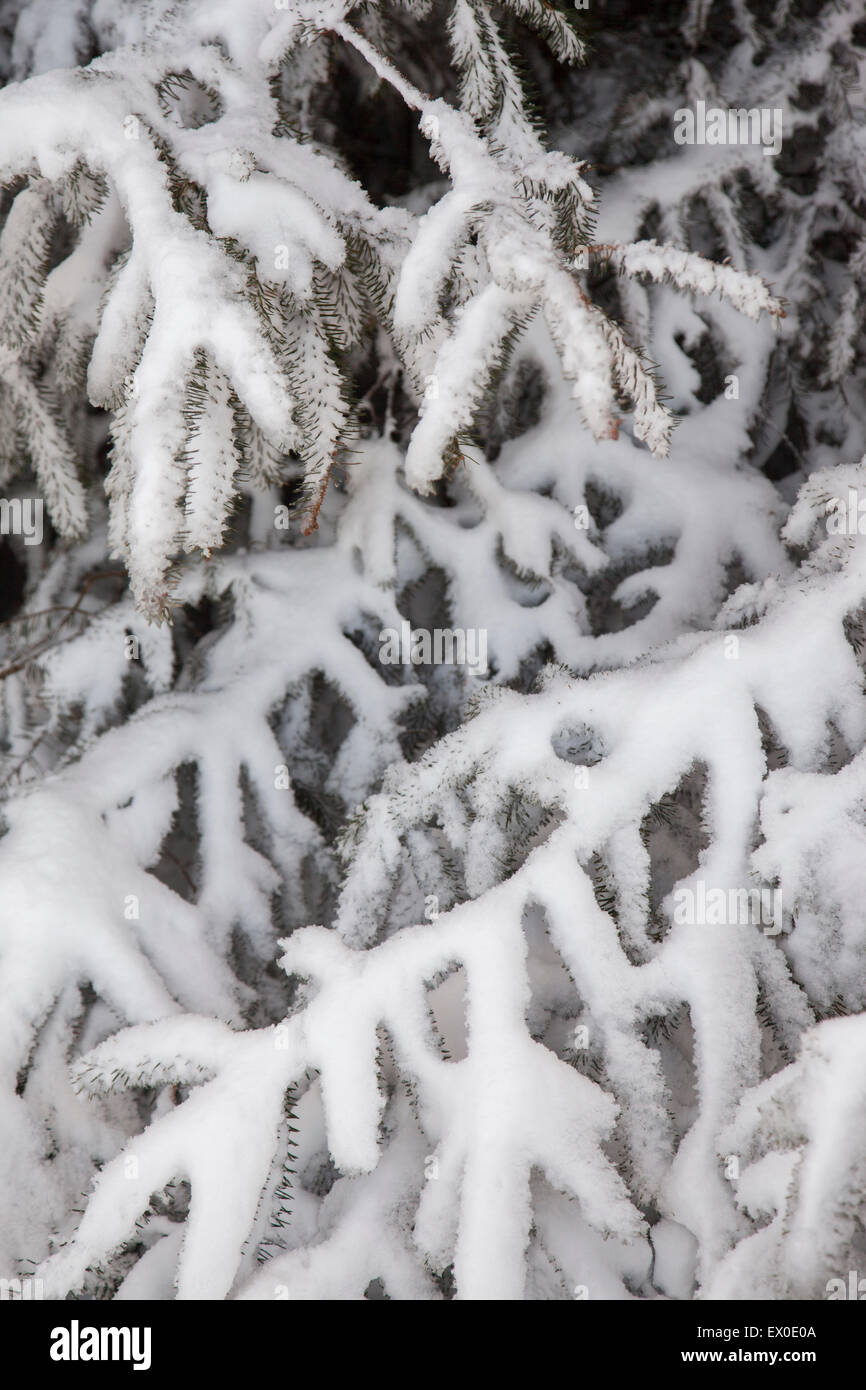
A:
[329,968]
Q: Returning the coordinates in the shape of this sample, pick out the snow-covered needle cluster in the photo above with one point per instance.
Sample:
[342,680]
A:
[327,972]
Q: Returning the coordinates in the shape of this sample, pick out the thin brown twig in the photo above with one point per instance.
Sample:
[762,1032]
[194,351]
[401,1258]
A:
[32,653]
[37,613]
[182,867]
